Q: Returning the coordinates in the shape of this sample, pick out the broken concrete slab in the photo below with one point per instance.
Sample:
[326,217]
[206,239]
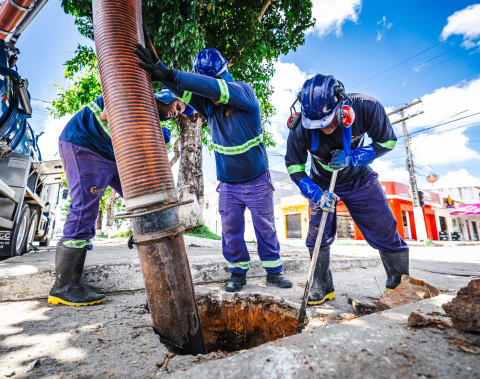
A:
[115,268]
[464,309]
[410,290]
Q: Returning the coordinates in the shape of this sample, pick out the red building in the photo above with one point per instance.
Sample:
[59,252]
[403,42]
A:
[400,200]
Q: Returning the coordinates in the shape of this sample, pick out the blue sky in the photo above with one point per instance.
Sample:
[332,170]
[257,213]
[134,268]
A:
[395,51]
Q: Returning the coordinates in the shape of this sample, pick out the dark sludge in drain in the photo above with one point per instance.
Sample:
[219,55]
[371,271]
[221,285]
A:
[243,323]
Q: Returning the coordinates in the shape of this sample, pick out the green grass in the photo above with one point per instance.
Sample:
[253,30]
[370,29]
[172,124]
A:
[202,232]
[126,234]
[101,236]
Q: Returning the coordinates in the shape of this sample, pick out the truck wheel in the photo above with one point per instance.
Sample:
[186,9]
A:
[31,231]
[19,237]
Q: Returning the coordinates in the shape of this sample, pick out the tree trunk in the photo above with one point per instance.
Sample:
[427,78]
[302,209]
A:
[190,175]
[98,223]
[110,210]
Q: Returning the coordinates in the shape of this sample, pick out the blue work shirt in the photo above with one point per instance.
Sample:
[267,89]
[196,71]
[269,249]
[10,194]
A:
[235,125]
[87,129]
[370,119]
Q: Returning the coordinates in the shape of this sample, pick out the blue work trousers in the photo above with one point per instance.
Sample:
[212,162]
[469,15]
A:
[257,196]
[368,206]
[88,175]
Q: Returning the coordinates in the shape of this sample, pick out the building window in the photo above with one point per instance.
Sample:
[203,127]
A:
[443,224]
[294,226]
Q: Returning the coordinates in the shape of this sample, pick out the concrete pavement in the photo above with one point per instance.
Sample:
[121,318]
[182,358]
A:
[115,339]
[112,267]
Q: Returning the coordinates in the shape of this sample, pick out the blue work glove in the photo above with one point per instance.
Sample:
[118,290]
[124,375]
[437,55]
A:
[358,157]
[325,200]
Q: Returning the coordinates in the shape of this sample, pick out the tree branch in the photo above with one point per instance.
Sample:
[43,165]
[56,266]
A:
[265,6]
[176,150]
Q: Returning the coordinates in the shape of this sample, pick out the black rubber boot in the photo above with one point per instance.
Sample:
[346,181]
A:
[235,283]
[279,280]
[322,284]
[69,288]
[396,265]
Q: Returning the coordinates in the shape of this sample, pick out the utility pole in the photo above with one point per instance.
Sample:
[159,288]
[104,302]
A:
[417,209]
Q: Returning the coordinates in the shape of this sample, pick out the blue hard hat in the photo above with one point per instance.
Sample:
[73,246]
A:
[320,100]
[209,62]
[166,96]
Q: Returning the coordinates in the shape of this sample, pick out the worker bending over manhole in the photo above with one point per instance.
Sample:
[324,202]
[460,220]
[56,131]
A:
[233,113]
[86,149]
[335,145]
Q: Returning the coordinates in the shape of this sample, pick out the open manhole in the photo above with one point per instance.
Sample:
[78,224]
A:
[242,323]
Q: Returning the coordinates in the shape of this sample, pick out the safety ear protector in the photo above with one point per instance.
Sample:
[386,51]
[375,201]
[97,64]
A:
[345,113]
[295,117]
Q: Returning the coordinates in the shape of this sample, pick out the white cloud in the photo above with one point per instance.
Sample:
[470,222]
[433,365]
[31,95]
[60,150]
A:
[331,15]
[287,82]
[465,23]
[460,178]
[385,26]
[48,142]
[442,149]
[389,172]
[445,104]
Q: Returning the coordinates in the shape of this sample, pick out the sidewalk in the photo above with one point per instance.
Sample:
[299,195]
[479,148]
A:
[112,267]
[115,339]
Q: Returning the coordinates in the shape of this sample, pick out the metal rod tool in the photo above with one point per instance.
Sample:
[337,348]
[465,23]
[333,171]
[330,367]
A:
[313,264]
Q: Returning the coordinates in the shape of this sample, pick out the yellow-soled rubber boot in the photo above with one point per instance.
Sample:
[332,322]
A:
[322,284]
[396,265]
[69,288]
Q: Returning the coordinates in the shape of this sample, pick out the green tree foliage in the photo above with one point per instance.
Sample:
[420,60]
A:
[82,70]
[250,34]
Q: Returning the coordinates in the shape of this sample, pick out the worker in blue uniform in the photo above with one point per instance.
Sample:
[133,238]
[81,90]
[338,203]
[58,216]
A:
[333,145]
[86,149]
[233,114]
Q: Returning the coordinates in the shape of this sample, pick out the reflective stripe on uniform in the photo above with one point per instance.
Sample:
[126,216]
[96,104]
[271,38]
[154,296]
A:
[295,168]
[234,150]
[242,265]
[187,96]
[93,106]
[387,145]
[224,93]
[325,167]
[77,244]
[271,264]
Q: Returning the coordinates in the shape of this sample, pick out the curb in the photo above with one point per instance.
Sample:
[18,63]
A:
[35,283]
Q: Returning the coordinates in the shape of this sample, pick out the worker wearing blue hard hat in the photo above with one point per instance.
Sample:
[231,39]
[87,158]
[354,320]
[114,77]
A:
[86,149]
[233,114]
[332,126]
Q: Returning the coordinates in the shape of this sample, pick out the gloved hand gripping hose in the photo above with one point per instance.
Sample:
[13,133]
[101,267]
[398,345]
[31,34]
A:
[157,74]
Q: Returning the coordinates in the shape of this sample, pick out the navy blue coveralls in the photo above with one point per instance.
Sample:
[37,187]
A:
[85,146]
[357,187]
[241,164]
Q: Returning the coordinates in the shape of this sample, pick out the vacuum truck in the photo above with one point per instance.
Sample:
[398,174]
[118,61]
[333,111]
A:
[29,187]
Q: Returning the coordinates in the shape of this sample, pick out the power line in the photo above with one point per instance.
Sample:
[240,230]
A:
[445,123]
[421,64]
[413,56]
[398,64]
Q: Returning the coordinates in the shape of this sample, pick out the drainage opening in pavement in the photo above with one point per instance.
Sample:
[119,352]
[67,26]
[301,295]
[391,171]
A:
[242,323]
